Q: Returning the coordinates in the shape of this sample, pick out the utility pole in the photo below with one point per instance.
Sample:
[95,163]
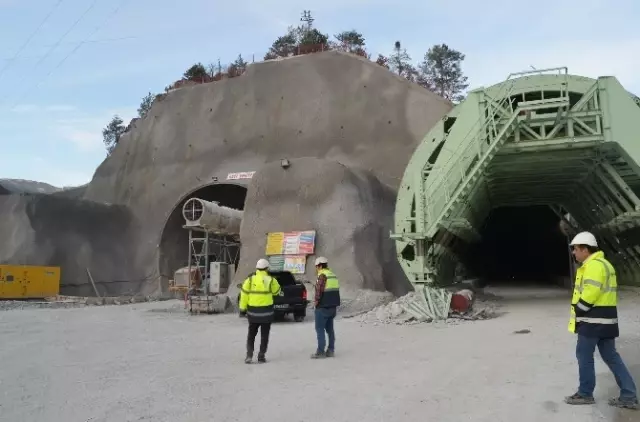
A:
[397,49]
[306,17]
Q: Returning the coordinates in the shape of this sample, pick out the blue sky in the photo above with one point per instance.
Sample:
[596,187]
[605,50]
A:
[94,58]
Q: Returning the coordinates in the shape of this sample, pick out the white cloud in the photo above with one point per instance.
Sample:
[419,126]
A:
[67,178]
[85,131]
[25,108]
[84,140]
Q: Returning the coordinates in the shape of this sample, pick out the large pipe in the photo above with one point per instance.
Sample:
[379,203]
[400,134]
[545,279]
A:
[212,216]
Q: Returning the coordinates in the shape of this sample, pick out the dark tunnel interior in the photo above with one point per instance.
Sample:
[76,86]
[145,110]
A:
[521,244]
[174,244]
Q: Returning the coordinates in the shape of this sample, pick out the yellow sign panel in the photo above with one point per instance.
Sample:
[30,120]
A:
[275,243]
[295,264]
[291,243]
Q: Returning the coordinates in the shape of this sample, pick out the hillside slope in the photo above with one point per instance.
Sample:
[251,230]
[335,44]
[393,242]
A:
[332,106]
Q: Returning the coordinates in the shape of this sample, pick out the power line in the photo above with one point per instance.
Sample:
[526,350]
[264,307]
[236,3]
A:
[63,36]
[99,27]
[53,9]
[100,40]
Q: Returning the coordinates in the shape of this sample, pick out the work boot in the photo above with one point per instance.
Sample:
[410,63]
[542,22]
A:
[262,359]
[578,399]
[318,355]
[330,353]
[624,403]
[248,359]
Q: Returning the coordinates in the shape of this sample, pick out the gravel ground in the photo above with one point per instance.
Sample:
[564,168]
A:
[151,362]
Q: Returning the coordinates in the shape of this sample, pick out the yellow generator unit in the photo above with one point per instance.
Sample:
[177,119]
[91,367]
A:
[28,282]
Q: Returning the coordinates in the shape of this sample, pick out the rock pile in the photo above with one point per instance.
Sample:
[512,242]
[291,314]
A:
[362,301]
[418,307]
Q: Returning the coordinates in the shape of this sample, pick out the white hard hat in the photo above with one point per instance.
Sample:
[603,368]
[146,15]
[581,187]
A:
[321,260]
[585,238]
[262,264]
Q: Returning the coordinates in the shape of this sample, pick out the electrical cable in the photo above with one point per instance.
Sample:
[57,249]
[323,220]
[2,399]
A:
[57,43]
[75,43]
[77,47]
[9,61]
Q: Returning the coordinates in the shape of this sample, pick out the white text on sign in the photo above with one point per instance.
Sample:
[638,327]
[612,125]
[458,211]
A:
[241,175]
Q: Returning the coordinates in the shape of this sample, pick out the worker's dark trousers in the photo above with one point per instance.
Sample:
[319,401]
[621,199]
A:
[324,322]
[265,328]
[585,349]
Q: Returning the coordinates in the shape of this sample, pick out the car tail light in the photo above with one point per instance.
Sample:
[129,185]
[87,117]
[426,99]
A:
[304,294]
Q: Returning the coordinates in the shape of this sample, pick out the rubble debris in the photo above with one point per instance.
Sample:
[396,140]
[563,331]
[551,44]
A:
[431,304]
[211,304]
[75,302]
[484,313]
[362,301]
[525,331]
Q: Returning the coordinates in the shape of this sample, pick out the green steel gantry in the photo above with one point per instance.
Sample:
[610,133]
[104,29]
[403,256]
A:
[542,137]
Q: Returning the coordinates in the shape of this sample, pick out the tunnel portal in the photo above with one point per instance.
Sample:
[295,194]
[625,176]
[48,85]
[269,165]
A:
[484,193]
[175,247]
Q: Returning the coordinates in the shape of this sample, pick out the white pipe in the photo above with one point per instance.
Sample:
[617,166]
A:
[211,216]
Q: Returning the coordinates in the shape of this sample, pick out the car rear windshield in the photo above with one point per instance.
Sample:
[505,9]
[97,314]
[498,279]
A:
[284,278]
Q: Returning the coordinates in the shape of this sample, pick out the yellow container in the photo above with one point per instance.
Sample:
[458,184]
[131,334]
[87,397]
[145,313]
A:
[28,282]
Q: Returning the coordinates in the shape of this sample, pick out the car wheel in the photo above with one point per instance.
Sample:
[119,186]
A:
[298,317]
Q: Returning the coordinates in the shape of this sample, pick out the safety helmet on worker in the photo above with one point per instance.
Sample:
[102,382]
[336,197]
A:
[262,264]
[321,260]
[584,238]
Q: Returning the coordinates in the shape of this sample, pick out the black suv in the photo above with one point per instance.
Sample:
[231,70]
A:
[292,298]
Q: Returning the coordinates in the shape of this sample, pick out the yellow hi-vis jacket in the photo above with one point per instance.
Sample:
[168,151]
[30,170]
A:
[256,296]
[330,297]
[594,310]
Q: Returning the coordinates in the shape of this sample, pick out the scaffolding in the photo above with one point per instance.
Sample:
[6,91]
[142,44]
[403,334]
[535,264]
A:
[207,246]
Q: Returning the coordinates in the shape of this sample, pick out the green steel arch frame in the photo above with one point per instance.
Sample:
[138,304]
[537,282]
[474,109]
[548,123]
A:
[539,138]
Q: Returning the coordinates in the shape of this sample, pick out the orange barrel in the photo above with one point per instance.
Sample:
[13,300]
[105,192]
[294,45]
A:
[462,300]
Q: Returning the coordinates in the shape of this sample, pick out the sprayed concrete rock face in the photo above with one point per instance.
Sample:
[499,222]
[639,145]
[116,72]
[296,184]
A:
[76,235]
[350,210]
[328,105]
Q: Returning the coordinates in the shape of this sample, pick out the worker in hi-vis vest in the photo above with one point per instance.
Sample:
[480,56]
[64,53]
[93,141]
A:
[327,300]
[594,318]
[256,301]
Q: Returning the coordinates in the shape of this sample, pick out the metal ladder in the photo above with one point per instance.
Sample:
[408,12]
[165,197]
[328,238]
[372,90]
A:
[455,185]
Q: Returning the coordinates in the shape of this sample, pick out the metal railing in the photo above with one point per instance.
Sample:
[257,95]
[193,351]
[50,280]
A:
[477,147]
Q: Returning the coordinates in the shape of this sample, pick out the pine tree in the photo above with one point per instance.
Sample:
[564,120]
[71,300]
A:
[237,68]
[302,35]
[313,37]
[112,132]
[197,73]
[400,63]
[350,41]
[145,105]
[283,46]
[442,73]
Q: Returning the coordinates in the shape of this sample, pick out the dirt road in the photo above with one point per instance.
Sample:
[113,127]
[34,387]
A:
[151,362]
